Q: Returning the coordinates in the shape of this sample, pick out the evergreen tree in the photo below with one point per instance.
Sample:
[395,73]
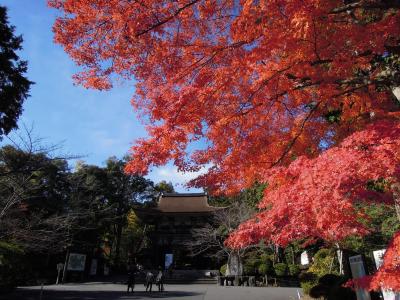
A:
[14,86]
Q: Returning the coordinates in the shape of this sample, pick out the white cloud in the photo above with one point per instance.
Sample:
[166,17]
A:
[170,173]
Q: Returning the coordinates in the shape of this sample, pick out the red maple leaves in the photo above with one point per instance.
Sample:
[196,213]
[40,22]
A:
[259,83]
[317,197]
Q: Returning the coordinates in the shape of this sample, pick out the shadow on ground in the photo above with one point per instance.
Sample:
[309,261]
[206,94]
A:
[34,294]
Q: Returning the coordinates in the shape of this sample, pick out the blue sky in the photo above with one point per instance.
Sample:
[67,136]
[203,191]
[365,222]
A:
[90,123]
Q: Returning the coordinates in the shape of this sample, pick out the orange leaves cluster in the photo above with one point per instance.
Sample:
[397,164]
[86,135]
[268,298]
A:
[252,78]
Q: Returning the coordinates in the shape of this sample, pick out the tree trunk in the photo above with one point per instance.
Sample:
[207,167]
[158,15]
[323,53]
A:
[279,255]
[118,243]
[140,244]
[396,197]
[293,258]
[339,253]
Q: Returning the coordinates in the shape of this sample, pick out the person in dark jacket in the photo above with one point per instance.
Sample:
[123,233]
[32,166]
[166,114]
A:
[131,280]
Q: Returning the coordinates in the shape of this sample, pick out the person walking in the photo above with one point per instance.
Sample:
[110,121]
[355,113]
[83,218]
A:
[149,281]
[160,280]
[131,280]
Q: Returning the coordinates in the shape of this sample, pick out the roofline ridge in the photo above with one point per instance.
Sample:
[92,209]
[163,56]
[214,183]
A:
[184,194]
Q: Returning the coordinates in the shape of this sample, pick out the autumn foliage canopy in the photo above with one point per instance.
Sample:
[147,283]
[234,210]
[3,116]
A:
[294,93]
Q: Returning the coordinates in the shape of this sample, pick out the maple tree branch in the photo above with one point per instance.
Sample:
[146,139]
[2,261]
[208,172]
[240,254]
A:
[305,120]
[261,86]
[162,22]
[293,141]
[366,5]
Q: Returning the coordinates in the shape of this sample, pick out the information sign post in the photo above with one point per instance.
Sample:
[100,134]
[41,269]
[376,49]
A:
[358,270]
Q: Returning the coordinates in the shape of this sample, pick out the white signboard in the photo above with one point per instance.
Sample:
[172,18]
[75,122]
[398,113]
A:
[169,258]
[378,257]
[304,258]
[93,267]
[76,262]
[358,270]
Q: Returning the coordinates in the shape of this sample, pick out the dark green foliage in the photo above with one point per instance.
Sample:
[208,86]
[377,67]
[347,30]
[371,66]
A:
[294,270]
[382,222]
[256,263]
[33,194]
[10,265]
[14,87]
[322,277]
[250,267]
[322,265]
[109,194]
[134,238]
[122,192]
[251,197]
[379,185]
[333,116]
[280,269]
[46,208]
[389,226]
[307,281]
[324,262]
[330,287]
[266,268]
[164,187]
[89,196]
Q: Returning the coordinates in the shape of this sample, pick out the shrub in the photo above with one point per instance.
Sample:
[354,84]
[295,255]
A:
[266,267]
[223,269]
[263,269]
[280,269]
[294,270]
[330,287]
[323,263]
[250,266]
[248,269]
[266,257]
[307,281]
[11,273]
[330,280]
[307,286]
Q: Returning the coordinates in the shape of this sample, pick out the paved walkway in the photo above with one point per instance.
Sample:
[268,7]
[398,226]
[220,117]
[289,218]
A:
[109,291]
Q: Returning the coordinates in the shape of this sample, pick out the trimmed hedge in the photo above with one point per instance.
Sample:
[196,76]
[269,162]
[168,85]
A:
[266,268]
[280,269]
[294,270]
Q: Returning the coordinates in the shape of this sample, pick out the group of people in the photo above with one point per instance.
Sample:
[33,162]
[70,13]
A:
[150,279]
